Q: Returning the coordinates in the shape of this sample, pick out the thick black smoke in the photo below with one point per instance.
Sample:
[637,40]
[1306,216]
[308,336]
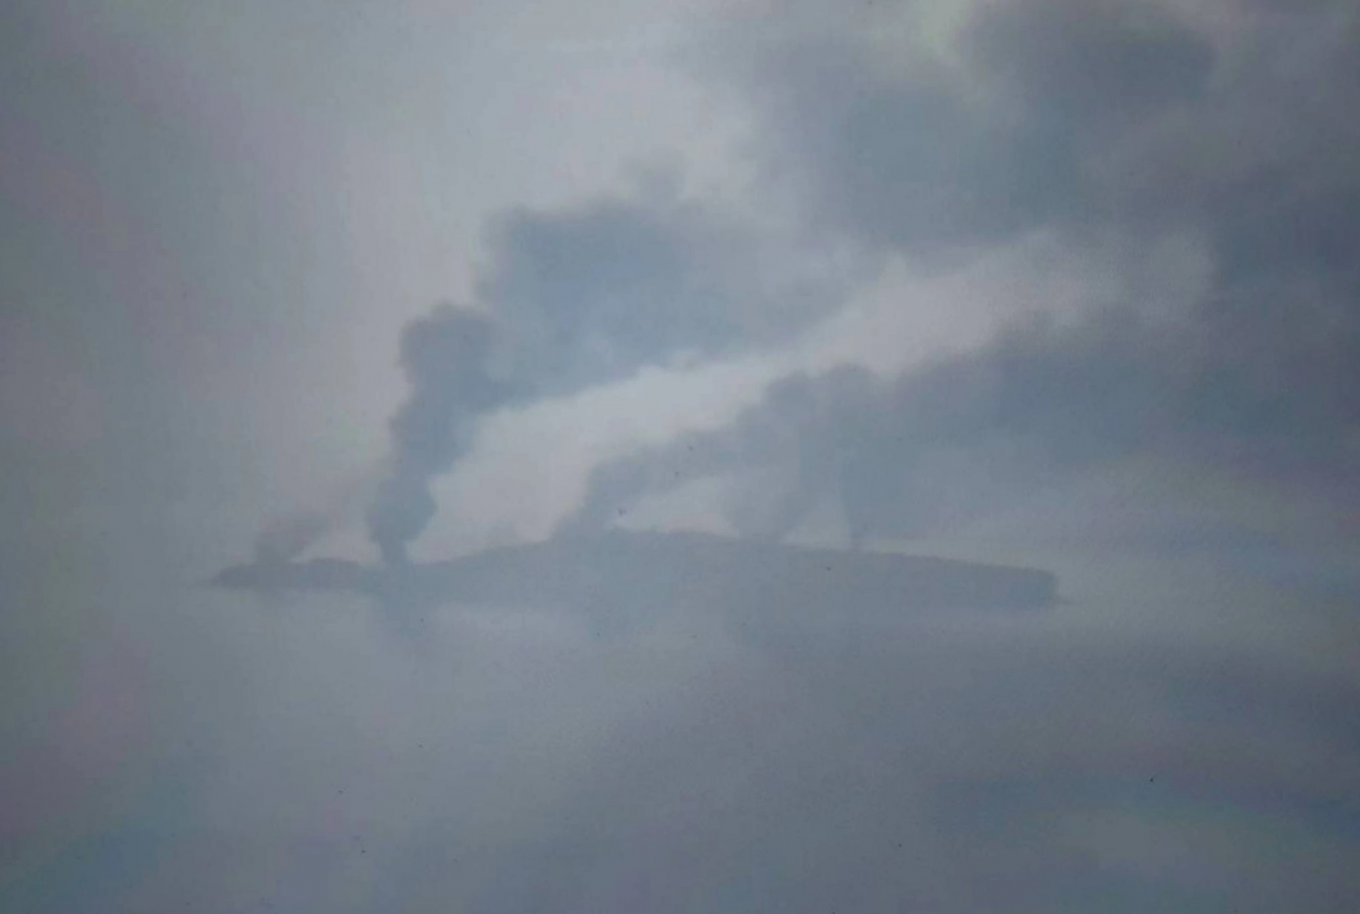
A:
[447,358]
[1041,403]
[569,299]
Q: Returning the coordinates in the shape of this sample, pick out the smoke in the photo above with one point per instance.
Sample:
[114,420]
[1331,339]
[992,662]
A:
[1243,346]
[786,447]
[569,299]
[447,359]
[1040,404]
[1112,136]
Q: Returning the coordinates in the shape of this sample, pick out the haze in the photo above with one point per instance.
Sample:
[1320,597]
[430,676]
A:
[698,317]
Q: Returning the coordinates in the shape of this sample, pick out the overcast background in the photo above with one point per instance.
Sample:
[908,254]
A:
[1060,283]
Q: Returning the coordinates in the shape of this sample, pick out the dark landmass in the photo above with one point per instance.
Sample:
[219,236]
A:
[621,571]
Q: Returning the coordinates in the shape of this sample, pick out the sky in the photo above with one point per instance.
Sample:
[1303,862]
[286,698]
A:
[1059,284]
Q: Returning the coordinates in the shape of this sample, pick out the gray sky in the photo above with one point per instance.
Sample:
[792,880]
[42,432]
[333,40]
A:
[1052,283]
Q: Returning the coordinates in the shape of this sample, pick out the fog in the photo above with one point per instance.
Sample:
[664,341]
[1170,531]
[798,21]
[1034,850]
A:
[582,456]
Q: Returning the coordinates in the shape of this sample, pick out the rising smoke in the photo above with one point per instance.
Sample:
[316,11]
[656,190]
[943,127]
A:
[1138,123]
[447,359]
[570,299]
[1039,404]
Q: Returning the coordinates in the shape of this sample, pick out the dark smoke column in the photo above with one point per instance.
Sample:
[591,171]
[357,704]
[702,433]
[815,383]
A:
[446,357]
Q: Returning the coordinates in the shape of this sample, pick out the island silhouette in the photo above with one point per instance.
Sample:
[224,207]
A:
[619,573]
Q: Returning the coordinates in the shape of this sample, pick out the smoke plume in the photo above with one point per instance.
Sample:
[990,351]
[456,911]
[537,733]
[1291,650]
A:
[1041,403]
[446,356]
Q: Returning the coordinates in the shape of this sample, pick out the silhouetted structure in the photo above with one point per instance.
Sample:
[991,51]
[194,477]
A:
[632,573]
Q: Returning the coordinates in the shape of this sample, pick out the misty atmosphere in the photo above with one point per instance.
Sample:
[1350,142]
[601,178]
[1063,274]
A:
[740,455]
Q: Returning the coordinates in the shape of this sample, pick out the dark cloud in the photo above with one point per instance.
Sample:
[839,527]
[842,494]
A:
[906,162]
[1085,68]
[1113,120]
[913,155]
[1075,115]
[591,294]
[1122,124]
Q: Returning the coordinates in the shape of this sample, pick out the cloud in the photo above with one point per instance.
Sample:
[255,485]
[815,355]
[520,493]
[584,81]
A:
[1111,129]
[1195,158]
[1116,125]
[591,294]
[1180,150]
[1070,115]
